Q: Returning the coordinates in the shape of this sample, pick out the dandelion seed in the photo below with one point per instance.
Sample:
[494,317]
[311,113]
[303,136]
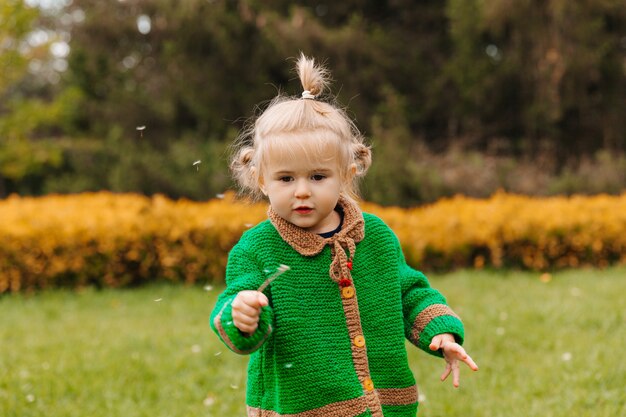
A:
[289,365]
[197,163]
[158,299]
[220,196]
[208,401]
[228,323]
[196,349]
[217,353]
[233,386]
[30,398]
[140,129]
[567,356]
[208,287]
[248,225]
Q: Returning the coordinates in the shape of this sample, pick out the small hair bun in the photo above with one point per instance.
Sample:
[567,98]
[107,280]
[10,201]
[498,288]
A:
[363,157]
[243,169]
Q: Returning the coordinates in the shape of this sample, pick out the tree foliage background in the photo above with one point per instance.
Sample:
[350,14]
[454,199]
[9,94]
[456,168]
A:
[456,96]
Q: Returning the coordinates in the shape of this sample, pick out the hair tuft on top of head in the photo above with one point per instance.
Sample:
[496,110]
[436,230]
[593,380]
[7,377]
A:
[313,77]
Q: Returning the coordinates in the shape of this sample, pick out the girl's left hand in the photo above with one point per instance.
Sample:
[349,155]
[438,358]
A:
[452,353]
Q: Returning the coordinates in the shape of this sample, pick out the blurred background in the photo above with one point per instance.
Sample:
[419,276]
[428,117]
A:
[469,96]
[464,97]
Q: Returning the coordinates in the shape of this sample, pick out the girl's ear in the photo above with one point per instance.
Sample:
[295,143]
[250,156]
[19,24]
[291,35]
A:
[349,176]
[261,182]
[352,170]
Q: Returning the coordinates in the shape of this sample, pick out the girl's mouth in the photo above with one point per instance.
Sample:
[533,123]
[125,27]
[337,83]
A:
[304,210]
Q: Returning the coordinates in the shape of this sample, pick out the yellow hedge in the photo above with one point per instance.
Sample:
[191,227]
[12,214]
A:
[107,239]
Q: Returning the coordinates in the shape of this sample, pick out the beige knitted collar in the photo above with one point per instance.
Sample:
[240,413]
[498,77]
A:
[309,244]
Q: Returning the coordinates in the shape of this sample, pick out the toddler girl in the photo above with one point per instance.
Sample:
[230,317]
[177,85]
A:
[326,337]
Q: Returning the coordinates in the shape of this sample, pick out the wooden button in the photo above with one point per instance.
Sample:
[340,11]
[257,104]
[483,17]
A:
[368,384]
[347,292]
[359,341]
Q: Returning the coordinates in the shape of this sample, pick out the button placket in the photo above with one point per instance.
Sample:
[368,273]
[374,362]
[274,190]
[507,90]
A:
[347,292]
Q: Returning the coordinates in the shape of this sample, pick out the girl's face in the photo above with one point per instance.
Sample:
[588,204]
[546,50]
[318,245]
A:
[303,190]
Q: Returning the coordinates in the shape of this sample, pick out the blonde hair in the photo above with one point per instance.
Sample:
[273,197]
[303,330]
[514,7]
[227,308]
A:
[307,123]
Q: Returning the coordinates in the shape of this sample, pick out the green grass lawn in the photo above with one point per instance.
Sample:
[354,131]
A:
[544,348]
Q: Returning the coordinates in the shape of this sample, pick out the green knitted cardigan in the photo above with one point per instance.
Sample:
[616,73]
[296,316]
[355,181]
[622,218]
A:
[331,341]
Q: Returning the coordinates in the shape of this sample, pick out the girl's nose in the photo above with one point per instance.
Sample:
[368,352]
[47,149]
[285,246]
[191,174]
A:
[302,190]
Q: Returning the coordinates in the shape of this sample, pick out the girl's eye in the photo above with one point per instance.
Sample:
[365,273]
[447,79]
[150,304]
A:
[318,177]
[285,179]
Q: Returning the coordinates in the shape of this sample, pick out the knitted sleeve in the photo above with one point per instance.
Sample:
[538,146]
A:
[426,313]
[242,273]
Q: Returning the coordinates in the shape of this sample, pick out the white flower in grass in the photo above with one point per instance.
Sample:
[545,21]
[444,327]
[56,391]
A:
[209,401]
[30,398]
[567,356]
[421,398]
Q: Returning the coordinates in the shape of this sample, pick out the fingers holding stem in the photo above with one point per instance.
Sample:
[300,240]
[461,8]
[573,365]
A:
[246,310]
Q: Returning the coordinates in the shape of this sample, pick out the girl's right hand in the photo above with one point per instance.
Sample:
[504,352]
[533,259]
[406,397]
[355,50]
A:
[247,309]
